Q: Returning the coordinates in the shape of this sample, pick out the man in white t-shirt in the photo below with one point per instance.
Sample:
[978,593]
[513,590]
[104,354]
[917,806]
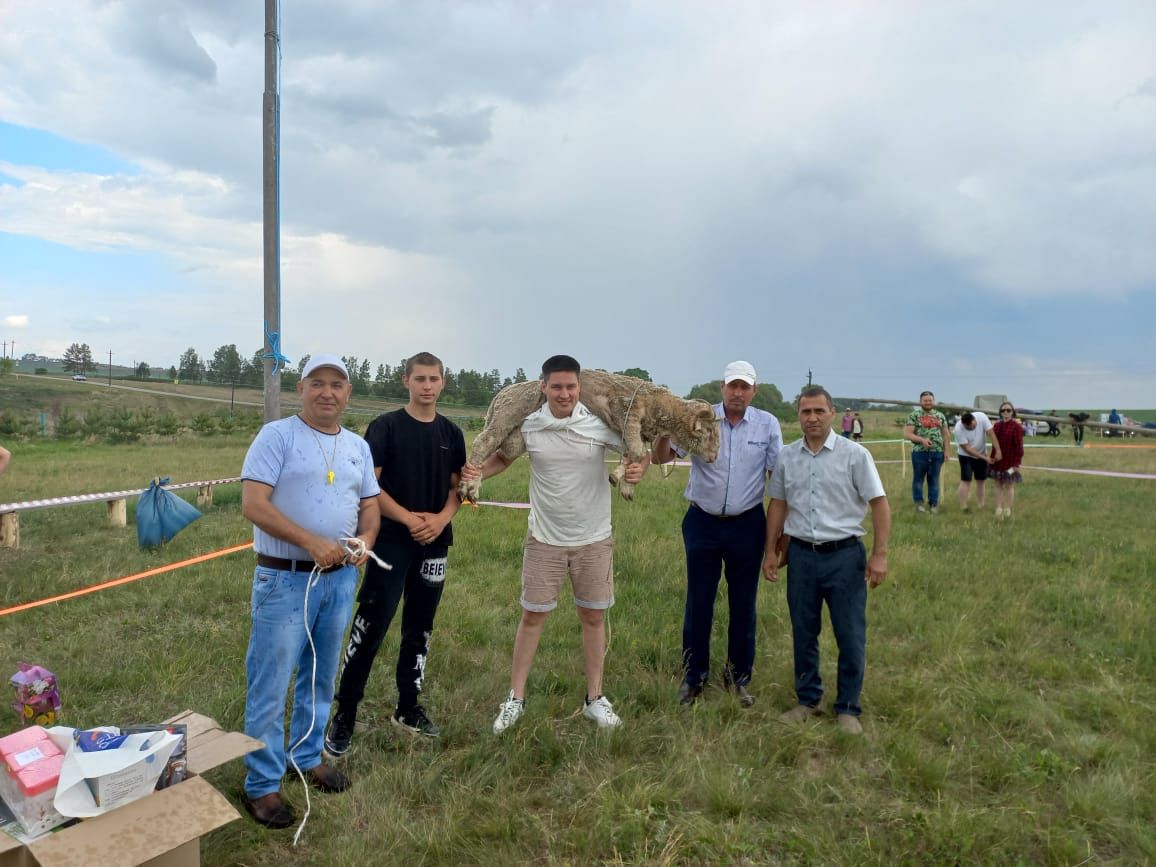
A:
[972,432]
[568,531]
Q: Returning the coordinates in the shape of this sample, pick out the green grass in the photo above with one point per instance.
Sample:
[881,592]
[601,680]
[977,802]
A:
[1008,704]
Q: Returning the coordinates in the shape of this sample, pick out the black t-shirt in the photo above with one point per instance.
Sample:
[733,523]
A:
[417,459]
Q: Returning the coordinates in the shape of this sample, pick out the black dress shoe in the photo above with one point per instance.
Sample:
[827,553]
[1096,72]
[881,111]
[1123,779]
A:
[689,693]
[270,811]
[327,779]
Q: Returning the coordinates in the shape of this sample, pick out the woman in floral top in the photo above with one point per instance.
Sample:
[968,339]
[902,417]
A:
[1006,471]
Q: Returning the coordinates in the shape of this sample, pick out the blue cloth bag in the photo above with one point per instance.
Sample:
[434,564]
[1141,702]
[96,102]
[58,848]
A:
[161,514]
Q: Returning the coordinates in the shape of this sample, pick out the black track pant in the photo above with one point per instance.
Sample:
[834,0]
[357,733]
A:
[419,575]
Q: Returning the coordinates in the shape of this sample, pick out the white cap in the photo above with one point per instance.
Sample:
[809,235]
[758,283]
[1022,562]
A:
[324,361]
[739,370]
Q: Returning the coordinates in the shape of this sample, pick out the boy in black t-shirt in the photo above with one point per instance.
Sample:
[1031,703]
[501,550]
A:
[417,455]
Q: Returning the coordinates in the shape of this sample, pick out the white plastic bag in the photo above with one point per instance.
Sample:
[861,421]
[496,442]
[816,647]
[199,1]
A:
[94,783]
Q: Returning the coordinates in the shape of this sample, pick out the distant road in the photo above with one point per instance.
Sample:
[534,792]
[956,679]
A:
[288,398]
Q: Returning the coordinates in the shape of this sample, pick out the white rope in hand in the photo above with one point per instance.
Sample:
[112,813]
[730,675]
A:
[355,549]
[314,576]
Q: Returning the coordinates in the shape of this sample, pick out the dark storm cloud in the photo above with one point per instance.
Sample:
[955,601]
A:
[158,34]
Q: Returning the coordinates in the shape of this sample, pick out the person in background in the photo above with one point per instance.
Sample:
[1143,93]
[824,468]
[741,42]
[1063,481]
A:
[926,428]
[1078,419]
[847,423]
[1005,472]
[972,433]
[1114,417]
[857,428]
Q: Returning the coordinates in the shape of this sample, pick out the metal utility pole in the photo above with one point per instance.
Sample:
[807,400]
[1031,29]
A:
[271,117]
[110,368]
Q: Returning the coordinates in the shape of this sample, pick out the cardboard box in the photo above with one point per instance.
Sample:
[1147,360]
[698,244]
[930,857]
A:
[163,829]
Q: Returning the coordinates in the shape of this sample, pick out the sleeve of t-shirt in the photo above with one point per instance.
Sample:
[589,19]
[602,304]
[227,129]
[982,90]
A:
[265,458]
[778,487]
[369,485]
[957,432]
[865,476]
[774,444]
[377,436]
[459,452]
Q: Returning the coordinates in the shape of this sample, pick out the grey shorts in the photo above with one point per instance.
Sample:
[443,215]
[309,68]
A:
[544,569]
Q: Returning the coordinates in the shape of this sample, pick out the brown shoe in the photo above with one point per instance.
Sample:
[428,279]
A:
[270,811]
[797,714]
[327,779]
[849,724]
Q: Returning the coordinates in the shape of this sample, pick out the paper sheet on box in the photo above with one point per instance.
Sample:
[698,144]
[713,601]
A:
[121,775]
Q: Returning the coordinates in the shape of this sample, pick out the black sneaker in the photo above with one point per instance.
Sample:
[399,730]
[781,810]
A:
[339,735]
[415,722]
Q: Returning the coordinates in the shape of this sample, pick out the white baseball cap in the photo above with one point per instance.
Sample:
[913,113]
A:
[324,361]
[739,370]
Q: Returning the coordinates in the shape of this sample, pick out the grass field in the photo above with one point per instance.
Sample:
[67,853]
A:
[1009,702]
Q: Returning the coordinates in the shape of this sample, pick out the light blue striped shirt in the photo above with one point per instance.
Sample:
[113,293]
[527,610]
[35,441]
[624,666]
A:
[736,482]
[826,492]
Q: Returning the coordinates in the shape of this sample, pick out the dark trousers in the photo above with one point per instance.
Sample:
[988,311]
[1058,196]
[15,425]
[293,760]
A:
[712,544]
[837,578]
[419,575]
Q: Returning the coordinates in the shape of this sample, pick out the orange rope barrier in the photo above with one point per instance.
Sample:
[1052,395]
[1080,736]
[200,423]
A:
[1116,446]
[160,570]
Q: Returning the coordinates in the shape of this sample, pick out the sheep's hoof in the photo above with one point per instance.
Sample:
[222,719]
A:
[626,490]
[468,493]
[613,480]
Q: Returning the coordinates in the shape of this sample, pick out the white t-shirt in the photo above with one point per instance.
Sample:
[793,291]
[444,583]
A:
[976,438]
[569,490]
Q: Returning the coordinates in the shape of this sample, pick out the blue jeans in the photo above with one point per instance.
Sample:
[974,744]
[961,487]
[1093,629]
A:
[926,465]
[837,578]
[710,544]
[277,645]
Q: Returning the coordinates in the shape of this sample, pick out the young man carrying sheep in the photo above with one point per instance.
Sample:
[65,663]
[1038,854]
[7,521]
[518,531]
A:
[568,531]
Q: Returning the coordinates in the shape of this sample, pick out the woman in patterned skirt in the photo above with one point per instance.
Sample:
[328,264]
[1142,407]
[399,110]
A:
[1009,433]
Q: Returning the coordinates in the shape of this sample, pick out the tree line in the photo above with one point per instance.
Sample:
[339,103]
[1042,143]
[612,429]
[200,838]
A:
[464,387]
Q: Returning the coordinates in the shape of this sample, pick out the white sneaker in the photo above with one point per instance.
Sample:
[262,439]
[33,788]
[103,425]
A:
[935,510]
[919,508]
[510,712]
[602,712]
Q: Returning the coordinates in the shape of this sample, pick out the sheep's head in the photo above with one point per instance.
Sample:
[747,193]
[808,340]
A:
[703,430]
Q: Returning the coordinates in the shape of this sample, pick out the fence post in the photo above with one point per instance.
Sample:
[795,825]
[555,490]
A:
[117,513]
[204,496]
[10,530]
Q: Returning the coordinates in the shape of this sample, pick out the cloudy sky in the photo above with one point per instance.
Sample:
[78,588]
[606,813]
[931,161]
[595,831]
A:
[892,195]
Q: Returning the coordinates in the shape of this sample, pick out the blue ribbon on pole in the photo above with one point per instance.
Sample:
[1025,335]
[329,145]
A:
[273,338]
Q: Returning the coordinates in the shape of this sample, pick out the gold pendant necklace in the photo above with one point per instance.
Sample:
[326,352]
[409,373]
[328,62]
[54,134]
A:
[329,461]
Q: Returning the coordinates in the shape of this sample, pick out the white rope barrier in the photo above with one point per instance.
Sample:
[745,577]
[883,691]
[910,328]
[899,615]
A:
[49,502]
